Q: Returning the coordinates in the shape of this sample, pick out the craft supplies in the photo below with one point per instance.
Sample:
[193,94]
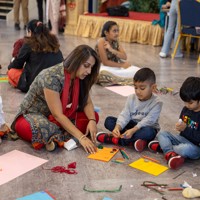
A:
[97,191]
[151,159]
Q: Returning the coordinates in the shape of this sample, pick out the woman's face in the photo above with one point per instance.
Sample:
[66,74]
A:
[113,33]
[85,68]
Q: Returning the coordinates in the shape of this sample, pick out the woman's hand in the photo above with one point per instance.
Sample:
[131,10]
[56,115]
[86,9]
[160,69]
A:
[92,129]
[88,145]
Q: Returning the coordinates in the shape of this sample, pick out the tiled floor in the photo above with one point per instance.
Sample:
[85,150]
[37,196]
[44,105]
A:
[96,174]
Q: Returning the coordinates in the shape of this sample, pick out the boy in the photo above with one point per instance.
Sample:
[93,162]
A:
[137,124]
[187,144]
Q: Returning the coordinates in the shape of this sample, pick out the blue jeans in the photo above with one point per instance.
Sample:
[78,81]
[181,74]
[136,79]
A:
[172,30]
[145,133]
[178,144]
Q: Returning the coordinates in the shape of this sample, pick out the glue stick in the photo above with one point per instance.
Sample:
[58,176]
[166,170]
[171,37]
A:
[179,121]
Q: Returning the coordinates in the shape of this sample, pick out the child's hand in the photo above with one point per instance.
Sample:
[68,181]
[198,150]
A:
[180,126]
[127,135]
[126,65]
[116,132]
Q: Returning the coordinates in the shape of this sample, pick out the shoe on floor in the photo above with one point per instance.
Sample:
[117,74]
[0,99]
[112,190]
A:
[176,162]
[154,146]
[106,138]
[139,145]
[163,55]
[17,27]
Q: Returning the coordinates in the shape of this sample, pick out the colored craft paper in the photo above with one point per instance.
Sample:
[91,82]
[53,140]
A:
[16,163]
[148,166]
[122,90]
[43,195]
[3,79]
[104,154]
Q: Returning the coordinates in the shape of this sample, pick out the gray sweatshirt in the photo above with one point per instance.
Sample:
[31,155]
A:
[144,113]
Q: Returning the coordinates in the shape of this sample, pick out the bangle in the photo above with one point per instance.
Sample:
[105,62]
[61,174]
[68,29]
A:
[82,137]
[92,120]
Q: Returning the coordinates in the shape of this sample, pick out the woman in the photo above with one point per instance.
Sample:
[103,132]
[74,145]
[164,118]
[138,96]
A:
[172,32]
[58,103]
[115,68]
[39,51]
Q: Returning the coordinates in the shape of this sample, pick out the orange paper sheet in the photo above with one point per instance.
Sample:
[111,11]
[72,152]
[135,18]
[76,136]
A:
[104,154]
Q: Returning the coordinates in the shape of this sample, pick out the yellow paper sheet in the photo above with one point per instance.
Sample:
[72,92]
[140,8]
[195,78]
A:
[104,154]
[148,166]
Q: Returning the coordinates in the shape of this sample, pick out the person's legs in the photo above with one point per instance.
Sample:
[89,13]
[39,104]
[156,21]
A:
[40,9]
[81,121]
[110,123]
[14,76]
[170,31]
[25,12]
[16,13]
[167,143]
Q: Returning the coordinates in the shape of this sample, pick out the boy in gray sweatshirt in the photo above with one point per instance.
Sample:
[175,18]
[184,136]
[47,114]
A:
[137,124]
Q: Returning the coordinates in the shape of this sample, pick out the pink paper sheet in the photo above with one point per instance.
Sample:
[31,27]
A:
[122,90]
[16,163]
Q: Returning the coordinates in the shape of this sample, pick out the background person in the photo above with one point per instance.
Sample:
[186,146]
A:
[114,69]
[39,51]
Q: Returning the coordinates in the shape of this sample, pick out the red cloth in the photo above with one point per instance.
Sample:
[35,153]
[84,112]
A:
[14,76]
[23,128]
[17,46]
[68,112]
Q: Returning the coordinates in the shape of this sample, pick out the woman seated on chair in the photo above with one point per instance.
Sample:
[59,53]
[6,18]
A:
[39,51]
[58,104]
[114,69]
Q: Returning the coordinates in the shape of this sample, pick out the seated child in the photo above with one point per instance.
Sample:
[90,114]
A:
[4,129]
[137,124]
[177,147]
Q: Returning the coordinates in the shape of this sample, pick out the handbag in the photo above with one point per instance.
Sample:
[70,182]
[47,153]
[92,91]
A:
[23,83]
[118,11]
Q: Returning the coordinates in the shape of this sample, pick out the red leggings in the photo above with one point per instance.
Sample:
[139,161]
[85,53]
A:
[23,128]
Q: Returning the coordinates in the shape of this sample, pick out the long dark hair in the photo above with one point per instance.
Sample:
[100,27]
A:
[41,39]
[107,26]
[72,63]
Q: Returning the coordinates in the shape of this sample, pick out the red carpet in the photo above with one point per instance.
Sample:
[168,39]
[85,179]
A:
[132,16]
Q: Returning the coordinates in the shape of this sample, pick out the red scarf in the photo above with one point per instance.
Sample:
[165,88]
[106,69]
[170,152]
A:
[68,112]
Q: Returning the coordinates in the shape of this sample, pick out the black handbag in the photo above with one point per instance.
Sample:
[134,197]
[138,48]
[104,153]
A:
[23,82]
[118,11]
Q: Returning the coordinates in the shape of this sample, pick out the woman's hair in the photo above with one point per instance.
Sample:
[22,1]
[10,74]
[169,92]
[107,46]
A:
[41,39]
[107,26]
[145,74]
[72,63]
[190,89]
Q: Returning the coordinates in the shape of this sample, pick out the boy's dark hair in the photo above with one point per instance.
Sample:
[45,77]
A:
[145,74]
[190,89]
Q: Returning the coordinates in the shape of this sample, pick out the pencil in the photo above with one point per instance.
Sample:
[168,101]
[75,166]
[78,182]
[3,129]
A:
[152,159]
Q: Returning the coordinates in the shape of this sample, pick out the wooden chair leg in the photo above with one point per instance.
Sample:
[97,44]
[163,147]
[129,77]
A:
[198,61]
[176,46]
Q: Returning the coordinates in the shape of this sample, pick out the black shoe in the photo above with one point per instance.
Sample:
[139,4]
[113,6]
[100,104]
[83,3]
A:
[17,27]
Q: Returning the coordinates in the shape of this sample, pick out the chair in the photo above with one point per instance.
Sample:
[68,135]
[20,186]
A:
[188,19]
